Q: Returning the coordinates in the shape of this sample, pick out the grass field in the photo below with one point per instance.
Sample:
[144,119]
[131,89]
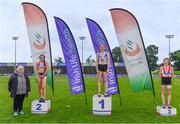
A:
[136,107]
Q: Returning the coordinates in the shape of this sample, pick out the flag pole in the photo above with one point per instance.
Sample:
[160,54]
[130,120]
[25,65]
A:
[85,95]
[82,38]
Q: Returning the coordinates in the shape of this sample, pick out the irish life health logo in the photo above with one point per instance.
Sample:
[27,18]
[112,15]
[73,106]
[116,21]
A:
[40,42]
[132,48]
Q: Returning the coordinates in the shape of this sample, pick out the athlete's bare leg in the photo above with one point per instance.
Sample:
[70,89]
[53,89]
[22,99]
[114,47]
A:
[169,87]
[105,75]
[44,87]
[163,87]
[40,86]
[99,81]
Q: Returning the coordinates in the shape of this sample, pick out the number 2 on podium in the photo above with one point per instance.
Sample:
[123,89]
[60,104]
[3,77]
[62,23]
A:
[38,107]
[102,103]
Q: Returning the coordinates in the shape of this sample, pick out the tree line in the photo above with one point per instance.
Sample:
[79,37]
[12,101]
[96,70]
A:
[151,52]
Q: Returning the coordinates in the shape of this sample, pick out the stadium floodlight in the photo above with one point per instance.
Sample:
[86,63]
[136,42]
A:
[169,36]
[15,38]
[82,38]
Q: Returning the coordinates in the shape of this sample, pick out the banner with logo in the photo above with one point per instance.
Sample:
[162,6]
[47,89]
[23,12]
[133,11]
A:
[71,56]
[132,49]
[98,37]
[37,27]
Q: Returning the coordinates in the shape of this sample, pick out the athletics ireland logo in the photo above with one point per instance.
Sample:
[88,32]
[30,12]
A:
[132,48]
[40,42]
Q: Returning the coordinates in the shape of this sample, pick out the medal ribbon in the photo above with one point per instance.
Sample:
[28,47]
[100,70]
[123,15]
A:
[166,71]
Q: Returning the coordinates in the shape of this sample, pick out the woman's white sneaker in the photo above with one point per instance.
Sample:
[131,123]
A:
[15,113]
[21,113]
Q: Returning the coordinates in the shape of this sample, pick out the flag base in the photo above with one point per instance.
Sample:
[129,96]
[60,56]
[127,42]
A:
[102,105]
[40,107]
[166,112]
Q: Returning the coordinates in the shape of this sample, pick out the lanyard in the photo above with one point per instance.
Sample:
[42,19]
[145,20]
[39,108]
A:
[102,56]
[166,70]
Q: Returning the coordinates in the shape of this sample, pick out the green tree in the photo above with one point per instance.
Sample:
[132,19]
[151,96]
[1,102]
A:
[89,60]
[116,54]
[58,60]
[175,57]
[152,51]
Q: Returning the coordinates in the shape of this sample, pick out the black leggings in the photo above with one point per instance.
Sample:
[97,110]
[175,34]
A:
[18,102]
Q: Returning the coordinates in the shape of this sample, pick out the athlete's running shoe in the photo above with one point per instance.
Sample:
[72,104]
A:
[164,106]
[99,94]
[41,99]
[105,94]
[169,106]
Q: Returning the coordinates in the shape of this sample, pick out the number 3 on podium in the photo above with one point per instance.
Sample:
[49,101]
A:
[169,111]
[102,103]
[38,107]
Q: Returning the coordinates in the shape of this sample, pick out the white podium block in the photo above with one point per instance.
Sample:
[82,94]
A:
[40,107]
[102,105]
[166,112]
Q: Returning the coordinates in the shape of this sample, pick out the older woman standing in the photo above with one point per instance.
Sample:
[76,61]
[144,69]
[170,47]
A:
[19,87]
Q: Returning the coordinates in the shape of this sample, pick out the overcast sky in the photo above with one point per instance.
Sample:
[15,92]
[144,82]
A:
[156,18]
